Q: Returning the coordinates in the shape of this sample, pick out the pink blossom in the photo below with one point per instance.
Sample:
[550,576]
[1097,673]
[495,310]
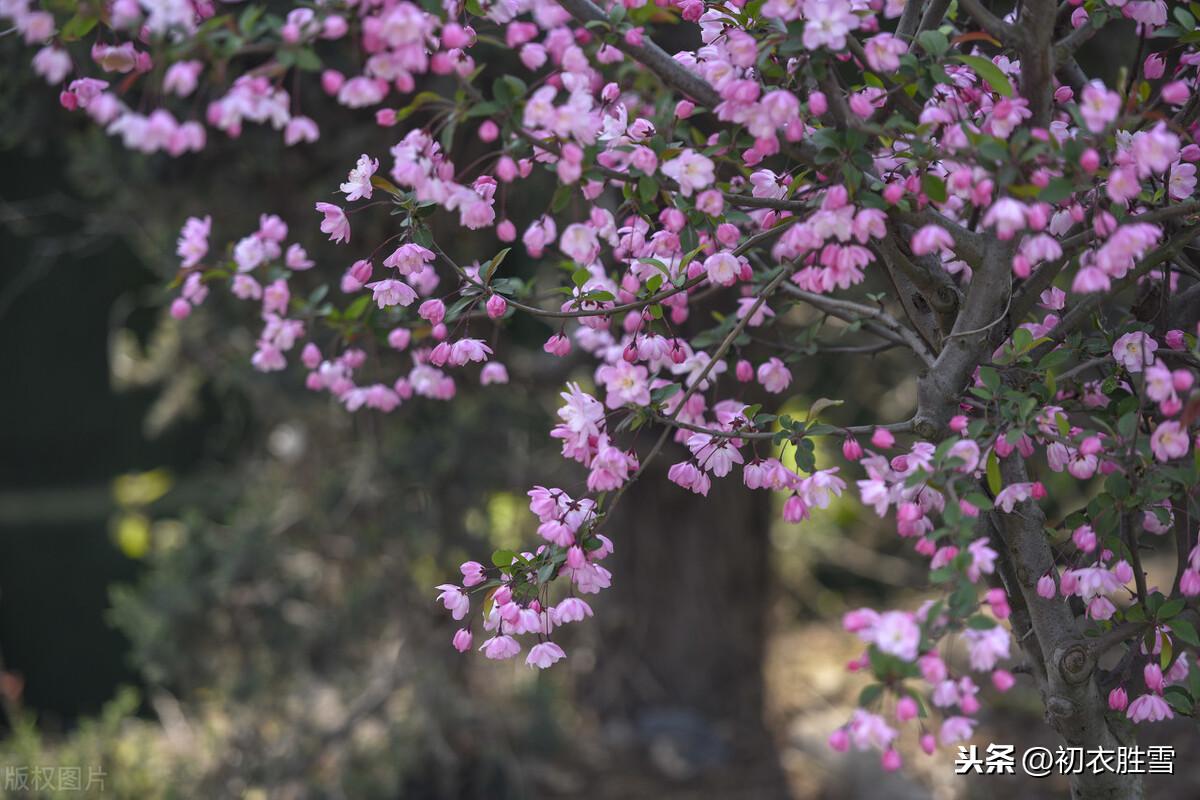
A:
[1149,708]
[391,292]
[884,51]
[1169,440]
[826,22]
[956,729]
[931,238]
[1099,106]
[454,600]
[358,184]
[774,375]
[300,129]
[544,655]
[1007,216]
[896,633]
[335,223]
[193,241]
[691,170]
[500,647]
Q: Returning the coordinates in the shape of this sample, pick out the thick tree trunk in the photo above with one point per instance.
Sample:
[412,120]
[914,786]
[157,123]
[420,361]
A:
[1066,674]
[684,632]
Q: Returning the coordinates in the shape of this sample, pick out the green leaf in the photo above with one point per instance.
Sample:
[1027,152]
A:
[990,378]
[1057,190]
[985,69]
[503,558]
[934,187]
[820,405]
[580,276]
[508,89]
[494,263]
[380,182]
[416,103]
[1179,699]
[870,694]
[562,196]
[663,392]
[1183,631]
[307,60]
[1171,608]
[357,308]
[934,42]
[647,188]
[995,484]
[981,623]
[78,26]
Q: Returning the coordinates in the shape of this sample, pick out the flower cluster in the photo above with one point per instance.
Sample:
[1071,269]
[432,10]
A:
[804,156]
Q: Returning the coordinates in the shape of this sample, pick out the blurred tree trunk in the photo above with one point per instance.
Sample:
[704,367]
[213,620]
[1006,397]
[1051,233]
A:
[684,629]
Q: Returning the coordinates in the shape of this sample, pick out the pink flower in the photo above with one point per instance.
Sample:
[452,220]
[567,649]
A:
[297,258]
[774,375]
[182,77]
[571,609]
[193,241]
[1007,216]
[884,51]
[53,64]
[826,22]
[1176,93]
[956,729]
[493,372]
[500,647]
[1099,106]
[1003,680]
[897,633]
[392,292]
[335,222]
[454,600]
[931,238]
[986,647]
[1154,678]
[1134,351]
[1169,440]
[795,509]
[300,129]
[1013,494]
[557,345]
[983,560]
[358,184]
[462,640]
[472,572]
[545,654]
[1149,708]
[723,268]
[1046,588]
[691,170]
[1117,699]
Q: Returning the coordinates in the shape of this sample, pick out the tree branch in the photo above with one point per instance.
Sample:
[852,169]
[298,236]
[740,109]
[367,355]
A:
[651,55]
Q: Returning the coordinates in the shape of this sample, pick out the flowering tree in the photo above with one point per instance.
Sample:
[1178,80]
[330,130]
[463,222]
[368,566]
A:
[1031,226]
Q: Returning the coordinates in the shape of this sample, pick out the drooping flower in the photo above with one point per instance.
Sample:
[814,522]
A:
[335,223]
